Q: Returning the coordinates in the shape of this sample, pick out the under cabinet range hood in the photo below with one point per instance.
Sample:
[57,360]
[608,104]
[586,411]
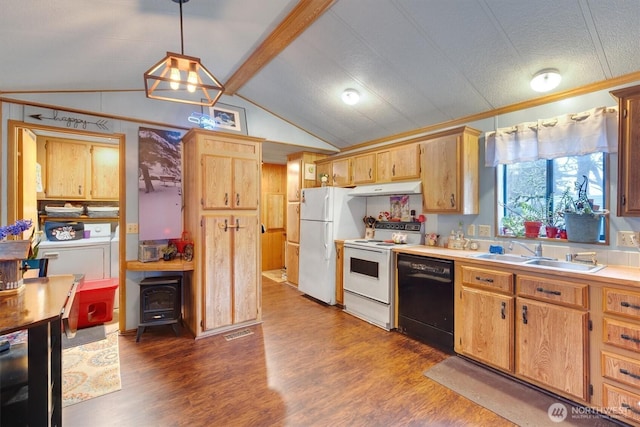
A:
[388,189]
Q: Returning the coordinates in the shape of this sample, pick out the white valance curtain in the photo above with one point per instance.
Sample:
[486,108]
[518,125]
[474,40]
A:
[591,131]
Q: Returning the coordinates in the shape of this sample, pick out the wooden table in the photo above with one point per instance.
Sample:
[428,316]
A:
[42,308]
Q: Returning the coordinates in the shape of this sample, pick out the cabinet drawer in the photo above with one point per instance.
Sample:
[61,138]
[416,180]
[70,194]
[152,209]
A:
[621,402]
[621,334]
[621,369]
[565,293]
[624,303]
[491,279]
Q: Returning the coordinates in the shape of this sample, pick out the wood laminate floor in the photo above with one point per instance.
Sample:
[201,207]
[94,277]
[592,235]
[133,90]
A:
[306,365]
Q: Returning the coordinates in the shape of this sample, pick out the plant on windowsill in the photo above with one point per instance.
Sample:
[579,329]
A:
[525,216]
[582,218]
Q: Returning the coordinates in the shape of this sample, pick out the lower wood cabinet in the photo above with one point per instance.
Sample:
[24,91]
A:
[551,346]
[487,334]
[231,292]
[536,330]
[292,260]
[339,271]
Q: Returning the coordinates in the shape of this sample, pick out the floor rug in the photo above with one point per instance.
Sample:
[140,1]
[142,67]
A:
[510,399]
[275,275]
[84,336]
[90,370]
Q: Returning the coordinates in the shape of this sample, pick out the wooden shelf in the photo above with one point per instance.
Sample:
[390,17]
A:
[177,264]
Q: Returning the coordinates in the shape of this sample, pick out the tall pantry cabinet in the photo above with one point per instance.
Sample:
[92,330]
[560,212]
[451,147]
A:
[221,175]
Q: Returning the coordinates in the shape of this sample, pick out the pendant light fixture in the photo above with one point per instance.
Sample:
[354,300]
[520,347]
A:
[182,78]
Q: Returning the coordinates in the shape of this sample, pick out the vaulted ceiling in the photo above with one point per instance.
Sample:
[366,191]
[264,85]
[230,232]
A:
[416,63]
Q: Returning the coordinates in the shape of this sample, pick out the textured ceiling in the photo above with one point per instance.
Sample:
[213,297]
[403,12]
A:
[416,63]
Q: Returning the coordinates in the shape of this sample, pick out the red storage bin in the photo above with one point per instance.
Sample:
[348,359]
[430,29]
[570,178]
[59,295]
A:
[96,301]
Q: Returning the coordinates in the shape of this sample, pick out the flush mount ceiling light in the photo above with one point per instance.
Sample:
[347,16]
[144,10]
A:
[545,80]
[350,96]
[182,78]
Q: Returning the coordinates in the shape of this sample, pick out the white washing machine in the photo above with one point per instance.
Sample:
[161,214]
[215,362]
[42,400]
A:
[91,257]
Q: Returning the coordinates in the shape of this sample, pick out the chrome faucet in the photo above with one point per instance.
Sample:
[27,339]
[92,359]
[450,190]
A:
[574,257]
[537,251]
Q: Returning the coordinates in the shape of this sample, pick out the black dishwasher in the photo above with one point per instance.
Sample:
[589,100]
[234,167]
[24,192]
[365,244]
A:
[425,300]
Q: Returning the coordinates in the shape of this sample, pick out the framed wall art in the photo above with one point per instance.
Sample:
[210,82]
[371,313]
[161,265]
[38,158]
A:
[228,118]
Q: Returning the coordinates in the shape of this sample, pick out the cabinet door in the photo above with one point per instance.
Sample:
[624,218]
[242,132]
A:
[324,169]
[440,177]
[245,267]
[294,177]
[105,172]
[383,166]
[293,222]
[245,184]
[487,332]
[405,162]
[551,346]
[67,169]
[216,182]
[216,272]
[364,169]
[341,172]
[293,257]
[629,152]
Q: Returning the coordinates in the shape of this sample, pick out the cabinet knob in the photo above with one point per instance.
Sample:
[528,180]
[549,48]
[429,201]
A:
[524,314]
[393,170]
[453,200]
[79,190]
[237,199]
[226,199]
[503,310]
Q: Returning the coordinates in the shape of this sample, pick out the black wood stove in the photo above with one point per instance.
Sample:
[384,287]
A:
[160,302]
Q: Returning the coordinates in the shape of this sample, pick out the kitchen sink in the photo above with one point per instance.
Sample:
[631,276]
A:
[503,257]
[563,265]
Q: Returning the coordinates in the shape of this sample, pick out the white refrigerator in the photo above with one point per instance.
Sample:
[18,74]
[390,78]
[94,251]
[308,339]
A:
[326,214]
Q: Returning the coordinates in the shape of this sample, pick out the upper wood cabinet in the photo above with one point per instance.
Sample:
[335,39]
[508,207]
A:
[383,166]
[364,168]
[628,151]
[302,172]
[229,182]
[450,182]
[294,178]
[105,172]
[341,172]
[324,168]
[68,165]
[405,162]
[79,170]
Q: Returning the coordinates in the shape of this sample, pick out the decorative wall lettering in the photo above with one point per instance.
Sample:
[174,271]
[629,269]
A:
[67,120]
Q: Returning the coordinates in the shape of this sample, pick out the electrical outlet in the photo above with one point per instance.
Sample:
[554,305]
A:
[484,230]
[132,228]
[625,239]
[471,230]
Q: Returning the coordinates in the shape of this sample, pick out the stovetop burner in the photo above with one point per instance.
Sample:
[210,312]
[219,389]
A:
[384,232]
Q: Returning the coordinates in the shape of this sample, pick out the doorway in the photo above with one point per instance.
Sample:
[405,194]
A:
[22,179]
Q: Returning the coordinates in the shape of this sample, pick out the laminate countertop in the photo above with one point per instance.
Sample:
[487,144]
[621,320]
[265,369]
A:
[611,274]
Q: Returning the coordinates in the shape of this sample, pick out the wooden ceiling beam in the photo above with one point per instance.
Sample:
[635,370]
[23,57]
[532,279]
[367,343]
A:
[297,21]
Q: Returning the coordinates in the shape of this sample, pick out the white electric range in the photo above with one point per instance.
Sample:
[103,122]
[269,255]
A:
[369,271]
